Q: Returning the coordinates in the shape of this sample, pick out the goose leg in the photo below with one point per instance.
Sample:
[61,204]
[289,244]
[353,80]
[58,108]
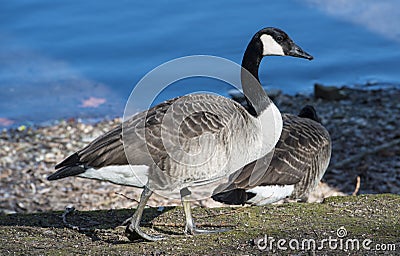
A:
[133,230]
[190,227]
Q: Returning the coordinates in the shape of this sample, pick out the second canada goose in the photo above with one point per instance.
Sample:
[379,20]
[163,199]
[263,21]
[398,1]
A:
[220,133]
[299,161]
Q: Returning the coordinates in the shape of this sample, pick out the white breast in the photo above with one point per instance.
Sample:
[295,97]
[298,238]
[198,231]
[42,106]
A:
[271,128]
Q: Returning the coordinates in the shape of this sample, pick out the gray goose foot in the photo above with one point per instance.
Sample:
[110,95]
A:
[133,231]
[190,227]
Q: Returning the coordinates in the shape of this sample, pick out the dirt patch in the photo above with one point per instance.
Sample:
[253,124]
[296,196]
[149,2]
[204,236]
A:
[373,217]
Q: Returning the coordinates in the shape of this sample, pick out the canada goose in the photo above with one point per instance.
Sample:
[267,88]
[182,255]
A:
[300,159]
[238,137]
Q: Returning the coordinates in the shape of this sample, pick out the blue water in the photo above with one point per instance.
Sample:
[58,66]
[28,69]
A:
[61,59]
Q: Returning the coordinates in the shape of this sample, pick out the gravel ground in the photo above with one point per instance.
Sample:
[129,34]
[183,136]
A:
[365,135]
[363,127]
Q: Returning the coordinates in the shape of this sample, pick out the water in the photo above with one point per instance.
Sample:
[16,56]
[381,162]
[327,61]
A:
[82,58]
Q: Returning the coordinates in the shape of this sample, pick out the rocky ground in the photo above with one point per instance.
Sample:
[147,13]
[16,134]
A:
[364,129]
[363,125]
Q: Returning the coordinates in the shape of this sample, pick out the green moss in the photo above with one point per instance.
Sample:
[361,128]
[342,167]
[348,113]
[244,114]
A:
[372,217]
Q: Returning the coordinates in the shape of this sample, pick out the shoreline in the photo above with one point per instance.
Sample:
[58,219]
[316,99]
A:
[12,124]
[361,122]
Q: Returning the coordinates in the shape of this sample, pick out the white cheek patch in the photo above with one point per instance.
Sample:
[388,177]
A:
[270,46]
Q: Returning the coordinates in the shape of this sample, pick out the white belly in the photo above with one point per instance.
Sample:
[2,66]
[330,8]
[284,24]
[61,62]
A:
[134,175]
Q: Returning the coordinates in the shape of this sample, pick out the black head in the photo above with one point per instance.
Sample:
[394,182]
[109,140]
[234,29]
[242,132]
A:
[309,112]
[267,41]
[274,41]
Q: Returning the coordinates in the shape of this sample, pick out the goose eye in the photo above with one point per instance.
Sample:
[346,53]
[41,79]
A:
[279,39]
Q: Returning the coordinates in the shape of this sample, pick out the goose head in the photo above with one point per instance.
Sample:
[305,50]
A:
[274,41]
[309,112]
[270,42]
[266,42]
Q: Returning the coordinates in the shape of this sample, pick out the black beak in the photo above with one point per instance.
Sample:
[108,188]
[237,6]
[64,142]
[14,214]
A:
[296,51]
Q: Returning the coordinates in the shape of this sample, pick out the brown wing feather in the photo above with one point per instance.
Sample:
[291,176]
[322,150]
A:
[142,134]
[302,139]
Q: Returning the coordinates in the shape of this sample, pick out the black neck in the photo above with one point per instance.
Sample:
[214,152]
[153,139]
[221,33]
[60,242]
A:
[256,97]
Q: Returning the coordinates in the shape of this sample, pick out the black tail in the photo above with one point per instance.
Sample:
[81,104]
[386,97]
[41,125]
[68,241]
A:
[71,166]
[69,161]
[66,172]
[233,197]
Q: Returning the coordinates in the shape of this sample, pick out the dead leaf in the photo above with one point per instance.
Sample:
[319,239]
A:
[5,121]
[92,102]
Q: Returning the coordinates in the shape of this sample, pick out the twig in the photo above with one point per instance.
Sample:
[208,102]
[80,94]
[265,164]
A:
[137,201]
[169,224]
[235,210]
[127,197]
[357,186]
[161,224]
[315,232]
[359,156]
[69,210]
[215,225]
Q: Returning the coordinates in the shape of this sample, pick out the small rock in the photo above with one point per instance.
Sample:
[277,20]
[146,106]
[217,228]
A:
[49,233]
[273,93]
[50,158]
[328,92]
